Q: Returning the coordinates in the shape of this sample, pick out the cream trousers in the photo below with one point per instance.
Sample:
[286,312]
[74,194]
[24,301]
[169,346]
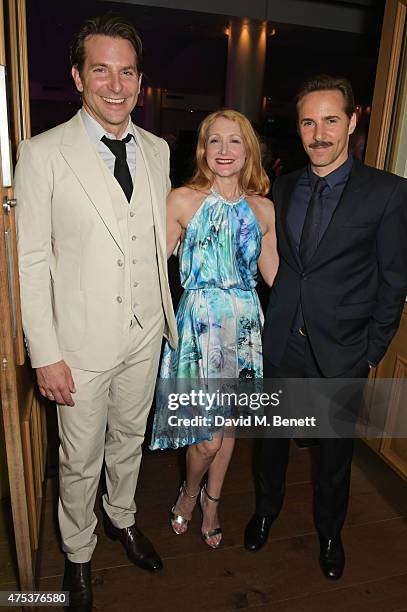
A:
[107,422]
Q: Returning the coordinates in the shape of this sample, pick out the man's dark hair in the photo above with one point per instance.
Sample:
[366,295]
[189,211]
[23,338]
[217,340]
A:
[325,82]
[105,25]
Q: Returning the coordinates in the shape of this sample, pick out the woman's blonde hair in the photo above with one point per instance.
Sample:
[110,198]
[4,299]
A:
[252,180]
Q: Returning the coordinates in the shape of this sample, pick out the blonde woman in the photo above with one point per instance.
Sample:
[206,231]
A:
[226,229]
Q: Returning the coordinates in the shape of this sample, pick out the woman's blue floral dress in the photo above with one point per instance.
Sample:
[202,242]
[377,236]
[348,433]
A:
[219,316]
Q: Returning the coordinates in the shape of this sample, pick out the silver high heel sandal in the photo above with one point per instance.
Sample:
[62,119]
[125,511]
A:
[217,530]
[178,519]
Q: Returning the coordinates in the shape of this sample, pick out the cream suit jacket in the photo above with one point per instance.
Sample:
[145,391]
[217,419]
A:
[69,244]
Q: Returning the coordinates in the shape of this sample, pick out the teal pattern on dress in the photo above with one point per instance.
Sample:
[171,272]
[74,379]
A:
[219,317]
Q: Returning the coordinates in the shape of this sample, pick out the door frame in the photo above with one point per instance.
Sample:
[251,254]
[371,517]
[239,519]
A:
[387,74]
[22,416]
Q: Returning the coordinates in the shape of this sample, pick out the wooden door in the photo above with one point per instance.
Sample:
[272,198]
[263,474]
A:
[389,76]
[22,413]
[387,149]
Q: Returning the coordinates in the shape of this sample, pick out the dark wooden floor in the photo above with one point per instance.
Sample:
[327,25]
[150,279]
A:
[284,576]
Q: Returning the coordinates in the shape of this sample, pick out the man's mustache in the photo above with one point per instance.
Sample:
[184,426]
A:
[322,144]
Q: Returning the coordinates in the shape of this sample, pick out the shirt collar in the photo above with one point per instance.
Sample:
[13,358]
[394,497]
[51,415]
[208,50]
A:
[335,177]
[96,131]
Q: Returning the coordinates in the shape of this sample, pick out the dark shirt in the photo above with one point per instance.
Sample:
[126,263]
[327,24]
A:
[330,195]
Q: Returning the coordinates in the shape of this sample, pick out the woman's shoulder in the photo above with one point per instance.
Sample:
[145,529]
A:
[262,204]
[183,203]
[185,195]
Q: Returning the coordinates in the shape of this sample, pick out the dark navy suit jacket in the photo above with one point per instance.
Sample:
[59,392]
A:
[353,290]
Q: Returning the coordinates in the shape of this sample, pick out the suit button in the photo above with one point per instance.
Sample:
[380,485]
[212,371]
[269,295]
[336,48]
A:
[119,299]
[120,263]
[134,237]
[132,214]
[135,284]
[304,277]
[134,261]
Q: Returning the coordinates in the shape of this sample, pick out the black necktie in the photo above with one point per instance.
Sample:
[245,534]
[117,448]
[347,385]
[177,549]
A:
[121,167]
[312,224]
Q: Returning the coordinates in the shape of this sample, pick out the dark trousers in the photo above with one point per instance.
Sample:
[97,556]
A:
[335,454]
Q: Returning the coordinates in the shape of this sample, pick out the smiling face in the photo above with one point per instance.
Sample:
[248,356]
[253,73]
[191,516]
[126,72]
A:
[109,81]
[225,150]
[324,128]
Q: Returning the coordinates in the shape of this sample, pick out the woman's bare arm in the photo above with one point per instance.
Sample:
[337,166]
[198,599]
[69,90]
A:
[268,260]
[174,215]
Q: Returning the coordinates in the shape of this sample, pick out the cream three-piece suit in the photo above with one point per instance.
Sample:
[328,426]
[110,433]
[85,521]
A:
[94,292]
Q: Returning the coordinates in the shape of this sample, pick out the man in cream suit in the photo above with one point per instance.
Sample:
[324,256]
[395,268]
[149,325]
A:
[95,297]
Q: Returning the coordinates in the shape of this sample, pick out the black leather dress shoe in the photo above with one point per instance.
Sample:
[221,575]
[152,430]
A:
[77,582]
[257,531]
[137,546]
[332,557]
[306,442]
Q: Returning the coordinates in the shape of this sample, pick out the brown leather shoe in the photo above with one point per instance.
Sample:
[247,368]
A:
[77,582]
[137,546]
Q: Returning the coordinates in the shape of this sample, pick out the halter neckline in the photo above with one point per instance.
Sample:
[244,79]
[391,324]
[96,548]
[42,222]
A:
[224,200]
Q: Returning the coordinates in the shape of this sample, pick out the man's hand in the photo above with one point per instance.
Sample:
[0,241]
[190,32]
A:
[56,383]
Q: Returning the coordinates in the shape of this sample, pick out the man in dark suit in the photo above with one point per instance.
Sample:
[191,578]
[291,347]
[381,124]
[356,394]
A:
[337,298]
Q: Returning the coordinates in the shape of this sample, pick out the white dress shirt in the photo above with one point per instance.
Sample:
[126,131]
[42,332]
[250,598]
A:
[96,132]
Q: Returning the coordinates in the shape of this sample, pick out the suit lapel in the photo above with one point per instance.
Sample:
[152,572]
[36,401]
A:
[154,174]
[286,242]
[85,163]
